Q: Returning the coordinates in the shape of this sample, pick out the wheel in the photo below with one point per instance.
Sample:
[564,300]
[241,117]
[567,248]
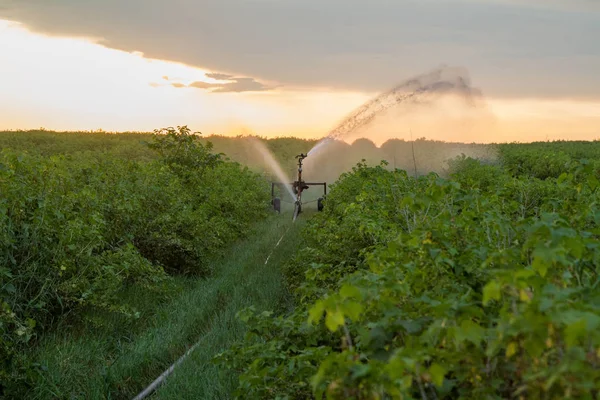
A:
[320,204]
[277,204]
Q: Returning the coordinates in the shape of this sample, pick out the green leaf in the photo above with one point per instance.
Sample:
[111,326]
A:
[360,370]
[353,310]
[524,296]
[491,291]
[534,347]
[574,331]
[318,378]
[469,331]
[437,373]
[334,319]
[542,259]
[407,201]
[540,266]
[349,291]
[411,326]
[563,177]
[575,246]
[592,181]
[316,312]
[511,349]
[524,274]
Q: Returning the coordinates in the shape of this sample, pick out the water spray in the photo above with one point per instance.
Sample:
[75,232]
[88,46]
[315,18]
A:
[272,164]
[422,89]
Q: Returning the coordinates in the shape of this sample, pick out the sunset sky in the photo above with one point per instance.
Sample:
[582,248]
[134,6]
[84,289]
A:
[293,67]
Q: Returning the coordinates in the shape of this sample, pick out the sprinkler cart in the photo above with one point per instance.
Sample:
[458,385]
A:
[298,186]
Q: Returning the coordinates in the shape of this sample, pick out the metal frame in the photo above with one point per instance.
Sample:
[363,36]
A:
[273,184]
[298,187]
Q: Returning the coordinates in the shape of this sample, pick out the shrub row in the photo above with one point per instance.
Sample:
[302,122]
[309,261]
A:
[77,230]
[480,286]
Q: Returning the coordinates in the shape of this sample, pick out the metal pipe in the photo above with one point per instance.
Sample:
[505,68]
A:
[160,380]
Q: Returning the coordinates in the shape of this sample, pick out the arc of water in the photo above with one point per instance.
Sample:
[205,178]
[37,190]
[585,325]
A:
[273,165]
[414,90]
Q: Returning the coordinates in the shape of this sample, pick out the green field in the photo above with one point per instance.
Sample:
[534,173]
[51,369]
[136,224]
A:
[433,275]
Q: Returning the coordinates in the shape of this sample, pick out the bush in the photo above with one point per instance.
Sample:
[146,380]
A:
[479,286]
[77,230]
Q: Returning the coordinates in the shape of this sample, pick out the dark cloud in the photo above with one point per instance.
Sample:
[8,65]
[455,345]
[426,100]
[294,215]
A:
[241,85]
[512,47]
[238,85]
[219,76]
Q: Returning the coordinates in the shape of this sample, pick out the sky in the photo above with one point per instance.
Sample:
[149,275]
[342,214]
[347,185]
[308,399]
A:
[293,67]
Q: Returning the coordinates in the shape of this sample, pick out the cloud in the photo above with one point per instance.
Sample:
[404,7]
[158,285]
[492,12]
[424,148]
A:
[242,85]
[511,47]
[232,84]
[201,85]
[237,85]
[219,76]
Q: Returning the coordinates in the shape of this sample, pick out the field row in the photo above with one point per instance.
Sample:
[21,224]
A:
[483,284]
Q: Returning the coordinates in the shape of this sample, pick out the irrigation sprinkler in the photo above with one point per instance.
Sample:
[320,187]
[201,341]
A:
[298,186]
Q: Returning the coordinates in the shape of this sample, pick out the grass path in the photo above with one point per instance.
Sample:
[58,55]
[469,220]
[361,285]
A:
[119,366]
[249,283]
